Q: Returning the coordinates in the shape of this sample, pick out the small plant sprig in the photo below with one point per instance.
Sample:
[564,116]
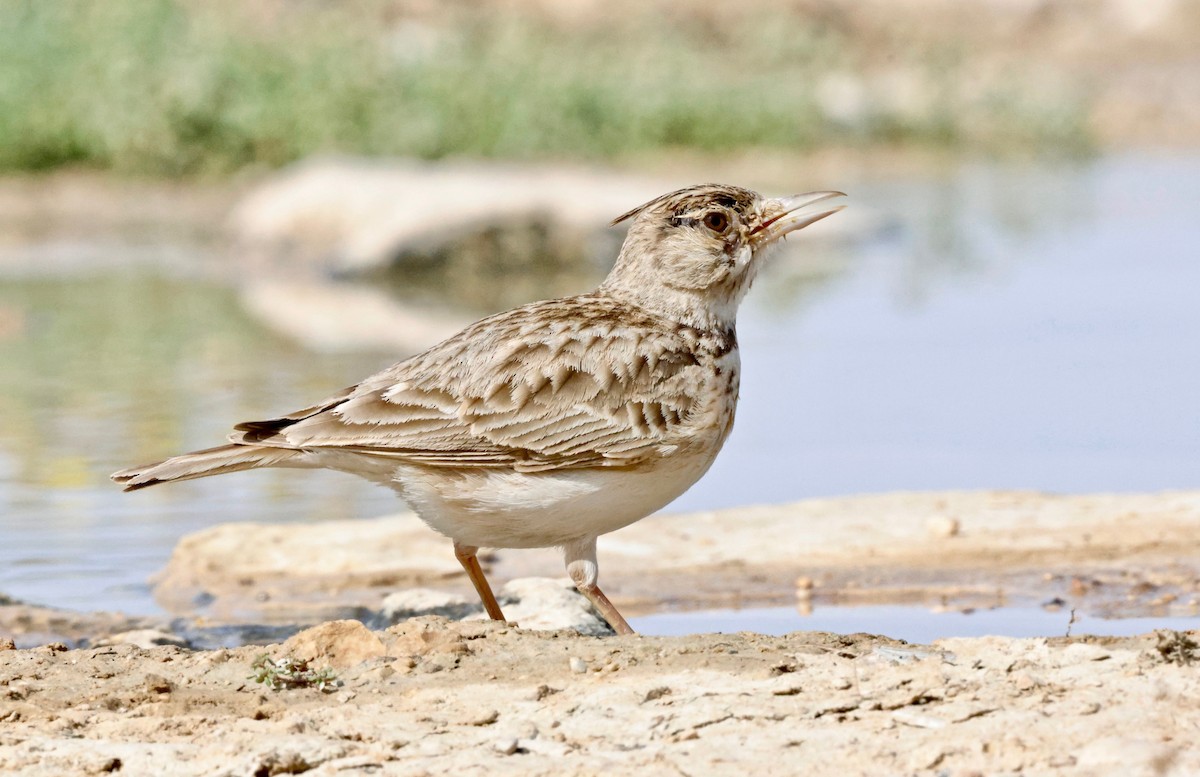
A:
[288,673]
[1177,647]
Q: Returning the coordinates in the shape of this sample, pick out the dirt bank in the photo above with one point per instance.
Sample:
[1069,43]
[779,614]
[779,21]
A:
[1110,553]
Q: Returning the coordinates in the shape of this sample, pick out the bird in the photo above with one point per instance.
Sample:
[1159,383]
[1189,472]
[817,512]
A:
[556,422]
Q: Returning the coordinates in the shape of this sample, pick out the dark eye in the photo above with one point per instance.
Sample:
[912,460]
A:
[716,220]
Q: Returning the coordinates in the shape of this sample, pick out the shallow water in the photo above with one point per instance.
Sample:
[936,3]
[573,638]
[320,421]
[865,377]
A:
[1013,326]
[915,624]
[912,624]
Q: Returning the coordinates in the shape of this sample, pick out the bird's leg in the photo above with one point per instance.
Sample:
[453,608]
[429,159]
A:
[581,566]
[466,556]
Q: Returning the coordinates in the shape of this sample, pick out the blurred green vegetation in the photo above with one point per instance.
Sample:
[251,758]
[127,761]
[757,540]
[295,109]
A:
[167,87]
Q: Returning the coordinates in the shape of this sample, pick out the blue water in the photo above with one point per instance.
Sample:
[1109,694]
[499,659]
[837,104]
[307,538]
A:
[911,624]
[1026,326]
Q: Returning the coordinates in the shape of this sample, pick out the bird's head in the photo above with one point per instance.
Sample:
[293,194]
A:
[693,253]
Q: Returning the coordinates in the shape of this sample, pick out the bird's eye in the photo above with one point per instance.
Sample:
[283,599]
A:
[716,220]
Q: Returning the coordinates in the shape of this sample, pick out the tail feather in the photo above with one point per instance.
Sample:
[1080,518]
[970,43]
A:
[200,464]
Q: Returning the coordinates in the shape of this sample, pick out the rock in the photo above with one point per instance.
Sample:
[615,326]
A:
[485,718]
[548,604]
[156,683]
[942,526]
[349,215]
[1081,652]
[415,602]
[907,655]
[656,693]
[505,746]
[143,638]
[337,644]
[541,692]
[578,665]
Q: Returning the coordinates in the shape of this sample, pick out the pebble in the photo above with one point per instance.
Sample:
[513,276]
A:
[1082,651]
[485,719]
[506,746]
[578,665]
[942,526]
[143,638]
[918,719]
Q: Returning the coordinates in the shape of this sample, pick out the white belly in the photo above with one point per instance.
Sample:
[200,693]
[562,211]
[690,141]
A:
[506,509]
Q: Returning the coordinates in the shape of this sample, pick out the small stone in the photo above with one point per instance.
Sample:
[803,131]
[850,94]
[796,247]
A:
[377,674]
[942,526]
[214,657]
[578,665]
[550,604]
[158,684]
[841,684]
[918,719]
[656,693]
[506,746]
[527,730]
[416,602]
[143,638]
[486,719]
[541,692]
[1081,651]
[6,643]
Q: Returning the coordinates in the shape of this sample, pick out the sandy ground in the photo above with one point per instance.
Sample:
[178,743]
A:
[432,696]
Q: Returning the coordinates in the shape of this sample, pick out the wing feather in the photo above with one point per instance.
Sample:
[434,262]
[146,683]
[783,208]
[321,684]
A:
[578,382]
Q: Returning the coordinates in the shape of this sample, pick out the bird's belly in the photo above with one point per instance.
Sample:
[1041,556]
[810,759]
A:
[507,509]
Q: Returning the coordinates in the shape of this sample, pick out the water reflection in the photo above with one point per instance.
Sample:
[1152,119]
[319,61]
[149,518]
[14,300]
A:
[1015,327]
[498,268]
[112,370]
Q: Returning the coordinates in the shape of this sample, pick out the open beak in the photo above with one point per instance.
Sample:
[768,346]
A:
[788,214]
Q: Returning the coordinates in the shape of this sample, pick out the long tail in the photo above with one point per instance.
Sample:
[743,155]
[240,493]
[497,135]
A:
[201,464]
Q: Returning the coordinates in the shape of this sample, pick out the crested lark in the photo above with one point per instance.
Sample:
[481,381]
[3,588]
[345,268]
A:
[558,421]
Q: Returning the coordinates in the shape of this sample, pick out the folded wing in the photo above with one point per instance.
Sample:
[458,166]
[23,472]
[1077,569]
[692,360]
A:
[580,382]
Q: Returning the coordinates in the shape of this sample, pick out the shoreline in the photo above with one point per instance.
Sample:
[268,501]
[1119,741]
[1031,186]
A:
[1111,554]
[435,696]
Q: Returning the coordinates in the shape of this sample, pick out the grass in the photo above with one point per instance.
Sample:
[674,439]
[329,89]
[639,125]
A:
[171,88]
